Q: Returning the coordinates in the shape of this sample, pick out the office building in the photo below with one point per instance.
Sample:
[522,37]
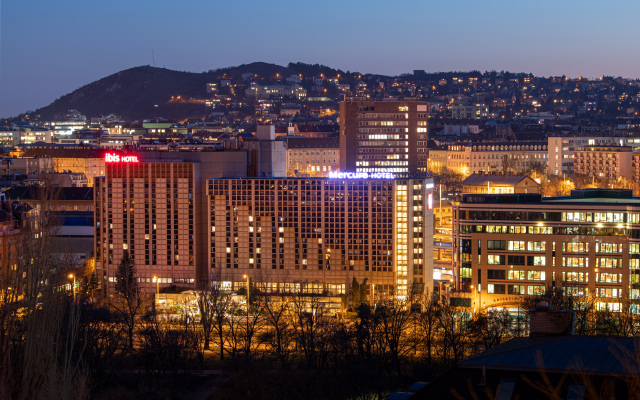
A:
[383,136]
[588,245]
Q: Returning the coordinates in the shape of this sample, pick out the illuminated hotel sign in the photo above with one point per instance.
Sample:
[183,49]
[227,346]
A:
[361,175]
[115,158]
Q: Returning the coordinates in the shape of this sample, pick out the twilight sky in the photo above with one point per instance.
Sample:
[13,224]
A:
[50,48]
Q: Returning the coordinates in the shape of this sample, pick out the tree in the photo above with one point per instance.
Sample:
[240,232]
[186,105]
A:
[213,304]
[129,290]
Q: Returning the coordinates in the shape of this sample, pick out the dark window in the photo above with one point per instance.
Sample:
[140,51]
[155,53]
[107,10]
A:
[496,274]
[515,260]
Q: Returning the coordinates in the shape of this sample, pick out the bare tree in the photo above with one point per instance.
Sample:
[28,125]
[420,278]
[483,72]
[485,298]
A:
[129,290]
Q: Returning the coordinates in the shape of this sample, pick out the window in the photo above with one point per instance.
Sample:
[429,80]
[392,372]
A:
[536,246]
[577,291]
[609,293]
[516,275]
[537,261]
[575,277]
[495,289]
[515,260]
[575,247]
[581,262]
[493,259]
[534,290]
[606,277]
[608,262]
[608,247]
[535,275]
[496,274]
[516,289]
[496,244]
[516,245]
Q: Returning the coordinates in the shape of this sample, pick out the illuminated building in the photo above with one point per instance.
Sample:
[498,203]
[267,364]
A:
[605,162]
[383,136]
[323,232]
[510,245]
[313,156]
[151,205]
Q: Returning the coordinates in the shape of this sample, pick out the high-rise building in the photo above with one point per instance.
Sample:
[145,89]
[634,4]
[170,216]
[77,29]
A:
[151,205]
[587,245]
[322,231]
[383,136]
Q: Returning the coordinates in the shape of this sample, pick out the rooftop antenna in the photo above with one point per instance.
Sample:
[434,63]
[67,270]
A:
[153,58]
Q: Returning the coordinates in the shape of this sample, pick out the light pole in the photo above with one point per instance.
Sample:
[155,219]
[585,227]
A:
[373,295]
[247,277]
[71,276]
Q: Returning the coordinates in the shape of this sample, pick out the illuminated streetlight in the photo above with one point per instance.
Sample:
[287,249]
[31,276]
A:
[71,276]
[247,277]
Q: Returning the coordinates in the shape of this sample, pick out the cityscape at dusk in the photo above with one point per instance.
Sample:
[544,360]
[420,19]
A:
[284,200]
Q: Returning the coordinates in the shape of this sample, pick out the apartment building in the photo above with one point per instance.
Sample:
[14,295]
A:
[323,232]
[383,136]
[312,156]
[588,245]
[604,162]
[489,157]
[562,148]
[497,184]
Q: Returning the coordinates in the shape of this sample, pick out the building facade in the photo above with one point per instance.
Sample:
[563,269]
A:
[588,245]
[151,205]
[325,232]
[604,162]
[562,149]
[312,156]
[383,136]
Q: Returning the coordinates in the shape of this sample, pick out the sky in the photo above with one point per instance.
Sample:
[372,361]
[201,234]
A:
[50,48]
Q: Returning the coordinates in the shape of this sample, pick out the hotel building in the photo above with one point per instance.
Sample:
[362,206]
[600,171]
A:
[323,232]
[588,244]
[383,136]
[151,205]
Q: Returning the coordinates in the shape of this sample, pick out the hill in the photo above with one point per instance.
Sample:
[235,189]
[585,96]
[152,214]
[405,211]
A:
[147,92]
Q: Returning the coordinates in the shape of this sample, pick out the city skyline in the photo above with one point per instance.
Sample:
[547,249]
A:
[51,58]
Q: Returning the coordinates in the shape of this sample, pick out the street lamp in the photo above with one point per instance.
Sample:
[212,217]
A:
[247,277]
[373,294]
[71,276]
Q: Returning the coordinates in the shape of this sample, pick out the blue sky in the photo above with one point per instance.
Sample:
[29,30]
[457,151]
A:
[50,48]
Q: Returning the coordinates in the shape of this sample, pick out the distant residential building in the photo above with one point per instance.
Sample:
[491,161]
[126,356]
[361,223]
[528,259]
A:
[562,148]
[499,184]
[471,111]
[260,92]
[312,156]
[604,162]
[490,157]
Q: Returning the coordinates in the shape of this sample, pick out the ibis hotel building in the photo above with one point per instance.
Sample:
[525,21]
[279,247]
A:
[586,244]
[324,232]
[151,204]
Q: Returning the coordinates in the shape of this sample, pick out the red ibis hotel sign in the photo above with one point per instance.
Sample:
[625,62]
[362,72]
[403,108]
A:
[116,158]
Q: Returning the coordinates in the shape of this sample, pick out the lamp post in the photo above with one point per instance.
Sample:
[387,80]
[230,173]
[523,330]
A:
[373,295]
[71,276]
[247,277]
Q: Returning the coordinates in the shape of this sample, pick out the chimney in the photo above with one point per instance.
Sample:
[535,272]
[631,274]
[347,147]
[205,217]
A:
[545,321]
